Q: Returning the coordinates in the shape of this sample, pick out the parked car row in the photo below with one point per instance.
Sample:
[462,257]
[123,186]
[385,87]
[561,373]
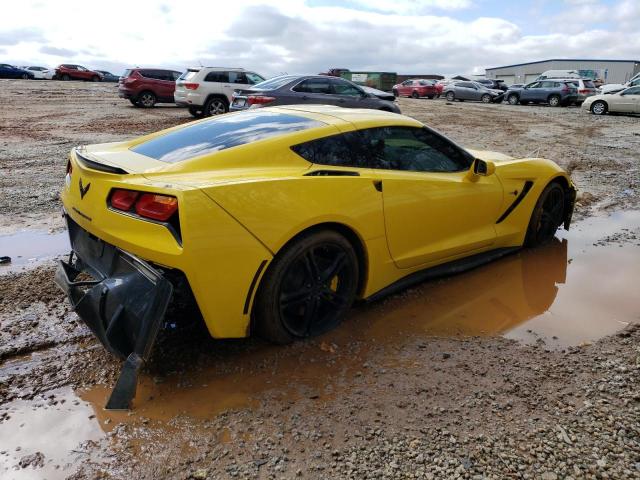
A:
[65,71]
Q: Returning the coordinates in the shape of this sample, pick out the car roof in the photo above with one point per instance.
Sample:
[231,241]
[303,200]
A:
[360,117]
[217,69]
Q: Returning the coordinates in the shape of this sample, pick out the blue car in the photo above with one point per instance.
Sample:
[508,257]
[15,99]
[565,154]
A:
[9,71]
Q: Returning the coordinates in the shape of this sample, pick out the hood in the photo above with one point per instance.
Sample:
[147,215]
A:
[490,156]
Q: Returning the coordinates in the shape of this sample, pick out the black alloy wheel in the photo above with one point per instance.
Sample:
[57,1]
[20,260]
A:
[547,216]
[308,288]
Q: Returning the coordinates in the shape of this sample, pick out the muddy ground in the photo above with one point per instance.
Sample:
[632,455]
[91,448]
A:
[525,368]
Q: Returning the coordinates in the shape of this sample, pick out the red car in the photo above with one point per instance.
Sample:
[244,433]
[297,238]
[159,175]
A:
[76,72]
[415,88]
[144,87]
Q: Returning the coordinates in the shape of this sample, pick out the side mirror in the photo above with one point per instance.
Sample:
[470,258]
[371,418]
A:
[483,168]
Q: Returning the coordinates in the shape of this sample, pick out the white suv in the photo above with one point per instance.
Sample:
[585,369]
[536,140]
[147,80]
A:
[207,90]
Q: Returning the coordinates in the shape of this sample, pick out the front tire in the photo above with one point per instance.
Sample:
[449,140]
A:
[450,96]
[415,95]
[25,76]
[599,108]
[308,288]
[66,77]
[486,98]
[513,100]
[547,216]
[95,78]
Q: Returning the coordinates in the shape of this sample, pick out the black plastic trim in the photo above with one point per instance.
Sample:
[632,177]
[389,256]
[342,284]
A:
[101,167]
[525,189]
[450,268]
[252,287]
[332,173]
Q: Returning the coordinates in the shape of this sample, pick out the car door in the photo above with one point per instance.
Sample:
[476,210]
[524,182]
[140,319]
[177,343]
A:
[434,207]
[528,92]
[166,84]
[314,91]
[405,88]
[627,101]
[351,96]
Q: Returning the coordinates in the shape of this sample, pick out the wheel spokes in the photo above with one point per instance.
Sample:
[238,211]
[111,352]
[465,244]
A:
[330,272]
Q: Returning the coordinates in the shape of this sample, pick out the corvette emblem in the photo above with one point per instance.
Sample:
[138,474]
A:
[83,189]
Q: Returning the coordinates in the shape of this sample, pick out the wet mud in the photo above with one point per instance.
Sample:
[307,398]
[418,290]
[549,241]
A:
[567,294]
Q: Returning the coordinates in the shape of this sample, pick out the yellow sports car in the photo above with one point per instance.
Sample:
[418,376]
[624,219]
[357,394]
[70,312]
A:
[277,219]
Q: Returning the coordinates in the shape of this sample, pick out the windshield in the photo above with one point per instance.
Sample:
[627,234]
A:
[254,78]
[275,83]
[221,133]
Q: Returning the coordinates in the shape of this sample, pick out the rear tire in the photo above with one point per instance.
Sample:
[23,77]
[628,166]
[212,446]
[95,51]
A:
[146,99]
[450,96]
[215,106]
[431,97]
[95,78]
[308,288]
[547,216]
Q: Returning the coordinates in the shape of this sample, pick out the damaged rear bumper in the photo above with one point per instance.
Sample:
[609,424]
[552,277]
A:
[120,297]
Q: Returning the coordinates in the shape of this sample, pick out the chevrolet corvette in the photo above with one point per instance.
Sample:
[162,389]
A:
[276,220]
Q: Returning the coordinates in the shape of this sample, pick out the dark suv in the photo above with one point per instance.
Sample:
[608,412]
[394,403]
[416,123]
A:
[144,87]
[553,92]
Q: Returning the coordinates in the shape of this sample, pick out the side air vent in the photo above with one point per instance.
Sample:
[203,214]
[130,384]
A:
[523,193]
[332,173]
[101,167]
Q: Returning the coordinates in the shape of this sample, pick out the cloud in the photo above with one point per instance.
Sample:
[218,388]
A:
[20,35]
[59,52]
[406,36]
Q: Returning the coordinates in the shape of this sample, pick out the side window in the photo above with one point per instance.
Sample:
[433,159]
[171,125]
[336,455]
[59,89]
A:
[534,85]
[313,85]
[547,84]
[238,77]
[219,77]
[343,150]
[147,73]
[344,88]
[406,83]
[414,150]
[632,91]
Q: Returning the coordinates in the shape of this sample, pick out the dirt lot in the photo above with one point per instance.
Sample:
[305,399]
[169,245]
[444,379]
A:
[525,368]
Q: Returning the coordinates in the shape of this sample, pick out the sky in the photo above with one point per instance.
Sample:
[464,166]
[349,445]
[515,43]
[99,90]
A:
[286,36]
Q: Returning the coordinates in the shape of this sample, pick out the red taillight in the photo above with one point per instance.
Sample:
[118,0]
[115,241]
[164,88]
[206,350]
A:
[148,205]
[156,207]
[191,86]
[124,199]
[259,99]
[583,91]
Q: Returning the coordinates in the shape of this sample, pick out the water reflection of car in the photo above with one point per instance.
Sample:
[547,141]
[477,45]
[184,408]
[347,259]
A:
[626,101]
[277,219]
[473,91]
[475,303]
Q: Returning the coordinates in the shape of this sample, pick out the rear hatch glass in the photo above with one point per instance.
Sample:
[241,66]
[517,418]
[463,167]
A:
[188,75]
[589,84]
[221,133]
[274,83]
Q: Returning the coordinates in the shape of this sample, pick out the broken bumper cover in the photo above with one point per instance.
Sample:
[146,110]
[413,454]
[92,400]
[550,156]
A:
[124,300]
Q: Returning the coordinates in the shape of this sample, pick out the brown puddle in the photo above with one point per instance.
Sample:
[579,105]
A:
[579,288]
[31,247]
